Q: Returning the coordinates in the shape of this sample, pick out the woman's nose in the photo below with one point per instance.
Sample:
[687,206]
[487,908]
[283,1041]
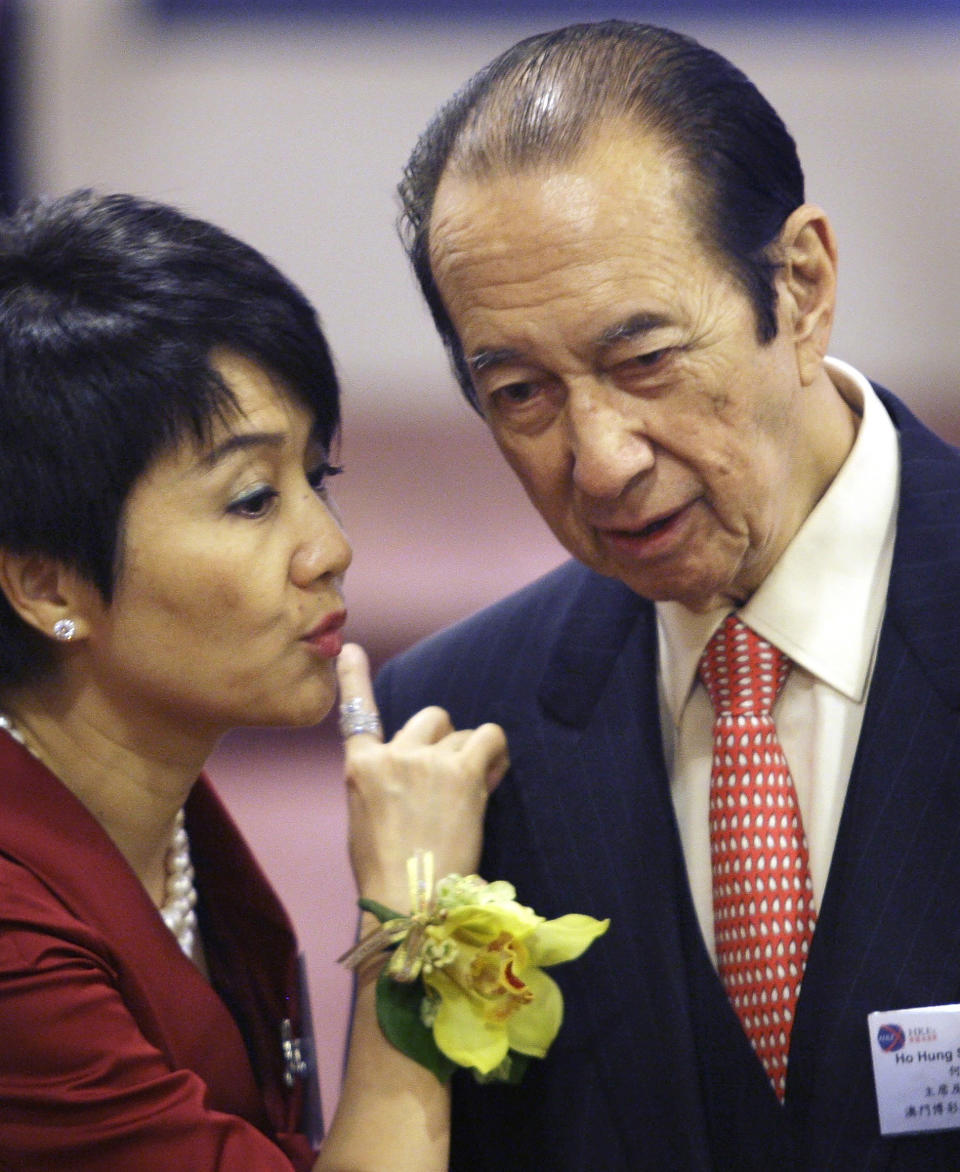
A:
[323,550]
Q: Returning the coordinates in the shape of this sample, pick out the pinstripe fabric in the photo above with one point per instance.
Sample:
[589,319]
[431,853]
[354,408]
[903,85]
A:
[652,1070]
[569,846]
[889,929]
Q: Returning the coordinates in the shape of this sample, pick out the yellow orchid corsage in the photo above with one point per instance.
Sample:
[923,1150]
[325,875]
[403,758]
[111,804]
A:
[464,985]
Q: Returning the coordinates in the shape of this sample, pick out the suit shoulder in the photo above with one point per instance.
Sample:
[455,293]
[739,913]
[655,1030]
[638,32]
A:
[918,441]
[527,609]
[516,633]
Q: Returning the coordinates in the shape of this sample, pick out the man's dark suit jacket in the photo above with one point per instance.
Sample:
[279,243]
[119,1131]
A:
[652,1069]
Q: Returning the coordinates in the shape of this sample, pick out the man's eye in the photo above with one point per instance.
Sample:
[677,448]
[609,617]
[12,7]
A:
[651,358]
[321,474]
[515,394]
[254,504]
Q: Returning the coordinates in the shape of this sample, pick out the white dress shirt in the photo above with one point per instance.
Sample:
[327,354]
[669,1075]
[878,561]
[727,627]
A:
[822,604]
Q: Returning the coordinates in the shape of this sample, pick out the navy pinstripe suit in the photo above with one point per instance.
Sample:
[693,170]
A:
[652,1069]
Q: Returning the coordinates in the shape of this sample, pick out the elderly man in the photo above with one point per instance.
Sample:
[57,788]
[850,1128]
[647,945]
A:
[733,719]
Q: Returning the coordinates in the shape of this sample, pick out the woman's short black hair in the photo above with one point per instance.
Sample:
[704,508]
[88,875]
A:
[111,307]
[541,102]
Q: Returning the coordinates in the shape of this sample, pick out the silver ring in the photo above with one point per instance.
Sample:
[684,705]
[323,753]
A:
[355,718]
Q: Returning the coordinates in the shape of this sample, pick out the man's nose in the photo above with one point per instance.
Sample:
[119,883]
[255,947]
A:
[609,445]
[322,550]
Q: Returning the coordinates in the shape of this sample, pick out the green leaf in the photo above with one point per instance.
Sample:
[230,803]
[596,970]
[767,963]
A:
[378,909]
[510,1071]
[398,1011]
[518,1068]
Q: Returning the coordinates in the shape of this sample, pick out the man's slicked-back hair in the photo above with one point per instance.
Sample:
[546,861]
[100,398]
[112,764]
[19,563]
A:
[111,308]
[540,104]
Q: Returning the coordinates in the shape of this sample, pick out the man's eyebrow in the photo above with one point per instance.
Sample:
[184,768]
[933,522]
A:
[485,359]
[634,326]
[631,327]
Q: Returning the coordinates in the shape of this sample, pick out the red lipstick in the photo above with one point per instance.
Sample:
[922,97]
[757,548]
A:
[326,638]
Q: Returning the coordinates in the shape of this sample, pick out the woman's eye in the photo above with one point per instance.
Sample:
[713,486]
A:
[321,474]
[254,504]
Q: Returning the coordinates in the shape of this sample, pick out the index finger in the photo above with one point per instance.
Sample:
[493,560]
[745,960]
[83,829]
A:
[355,685]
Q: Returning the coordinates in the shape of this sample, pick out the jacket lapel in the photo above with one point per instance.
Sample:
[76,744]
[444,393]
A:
[592,778]
[51,833]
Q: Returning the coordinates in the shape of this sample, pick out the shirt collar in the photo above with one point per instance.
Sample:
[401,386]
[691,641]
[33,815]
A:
[823,601]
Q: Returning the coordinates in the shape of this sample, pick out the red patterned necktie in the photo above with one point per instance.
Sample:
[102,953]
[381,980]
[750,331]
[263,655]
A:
[763,909]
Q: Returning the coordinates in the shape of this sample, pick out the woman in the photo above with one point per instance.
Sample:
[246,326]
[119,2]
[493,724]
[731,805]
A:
[170,568]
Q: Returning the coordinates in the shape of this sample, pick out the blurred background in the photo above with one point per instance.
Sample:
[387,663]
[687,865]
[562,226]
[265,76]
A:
[287,122]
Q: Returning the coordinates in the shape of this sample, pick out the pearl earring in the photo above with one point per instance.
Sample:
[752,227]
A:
[64,629]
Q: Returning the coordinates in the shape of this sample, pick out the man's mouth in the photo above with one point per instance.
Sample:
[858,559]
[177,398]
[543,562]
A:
[656,526]
[647,539]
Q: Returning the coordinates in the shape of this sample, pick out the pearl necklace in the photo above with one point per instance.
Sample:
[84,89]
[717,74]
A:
[180,897]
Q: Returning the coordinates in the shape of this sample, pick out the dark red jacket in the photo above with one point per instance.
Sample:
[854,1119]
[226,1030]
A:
[115,1052]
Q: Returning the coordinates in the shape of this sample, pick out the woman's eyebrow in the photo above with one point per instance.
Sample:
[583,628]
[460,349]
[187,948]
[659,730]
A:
[235,443]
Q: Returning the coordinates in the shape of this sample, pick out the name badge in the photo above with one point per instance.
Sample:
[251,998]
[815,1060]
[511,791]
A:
[916,1068]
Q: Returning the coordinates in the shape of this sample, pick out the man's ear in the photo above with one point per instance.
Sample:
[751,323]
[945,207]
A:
[808,285]
[44,592]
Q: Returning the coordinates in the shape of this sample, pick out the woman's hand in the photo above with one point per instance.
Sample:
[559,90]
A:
[426,789]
